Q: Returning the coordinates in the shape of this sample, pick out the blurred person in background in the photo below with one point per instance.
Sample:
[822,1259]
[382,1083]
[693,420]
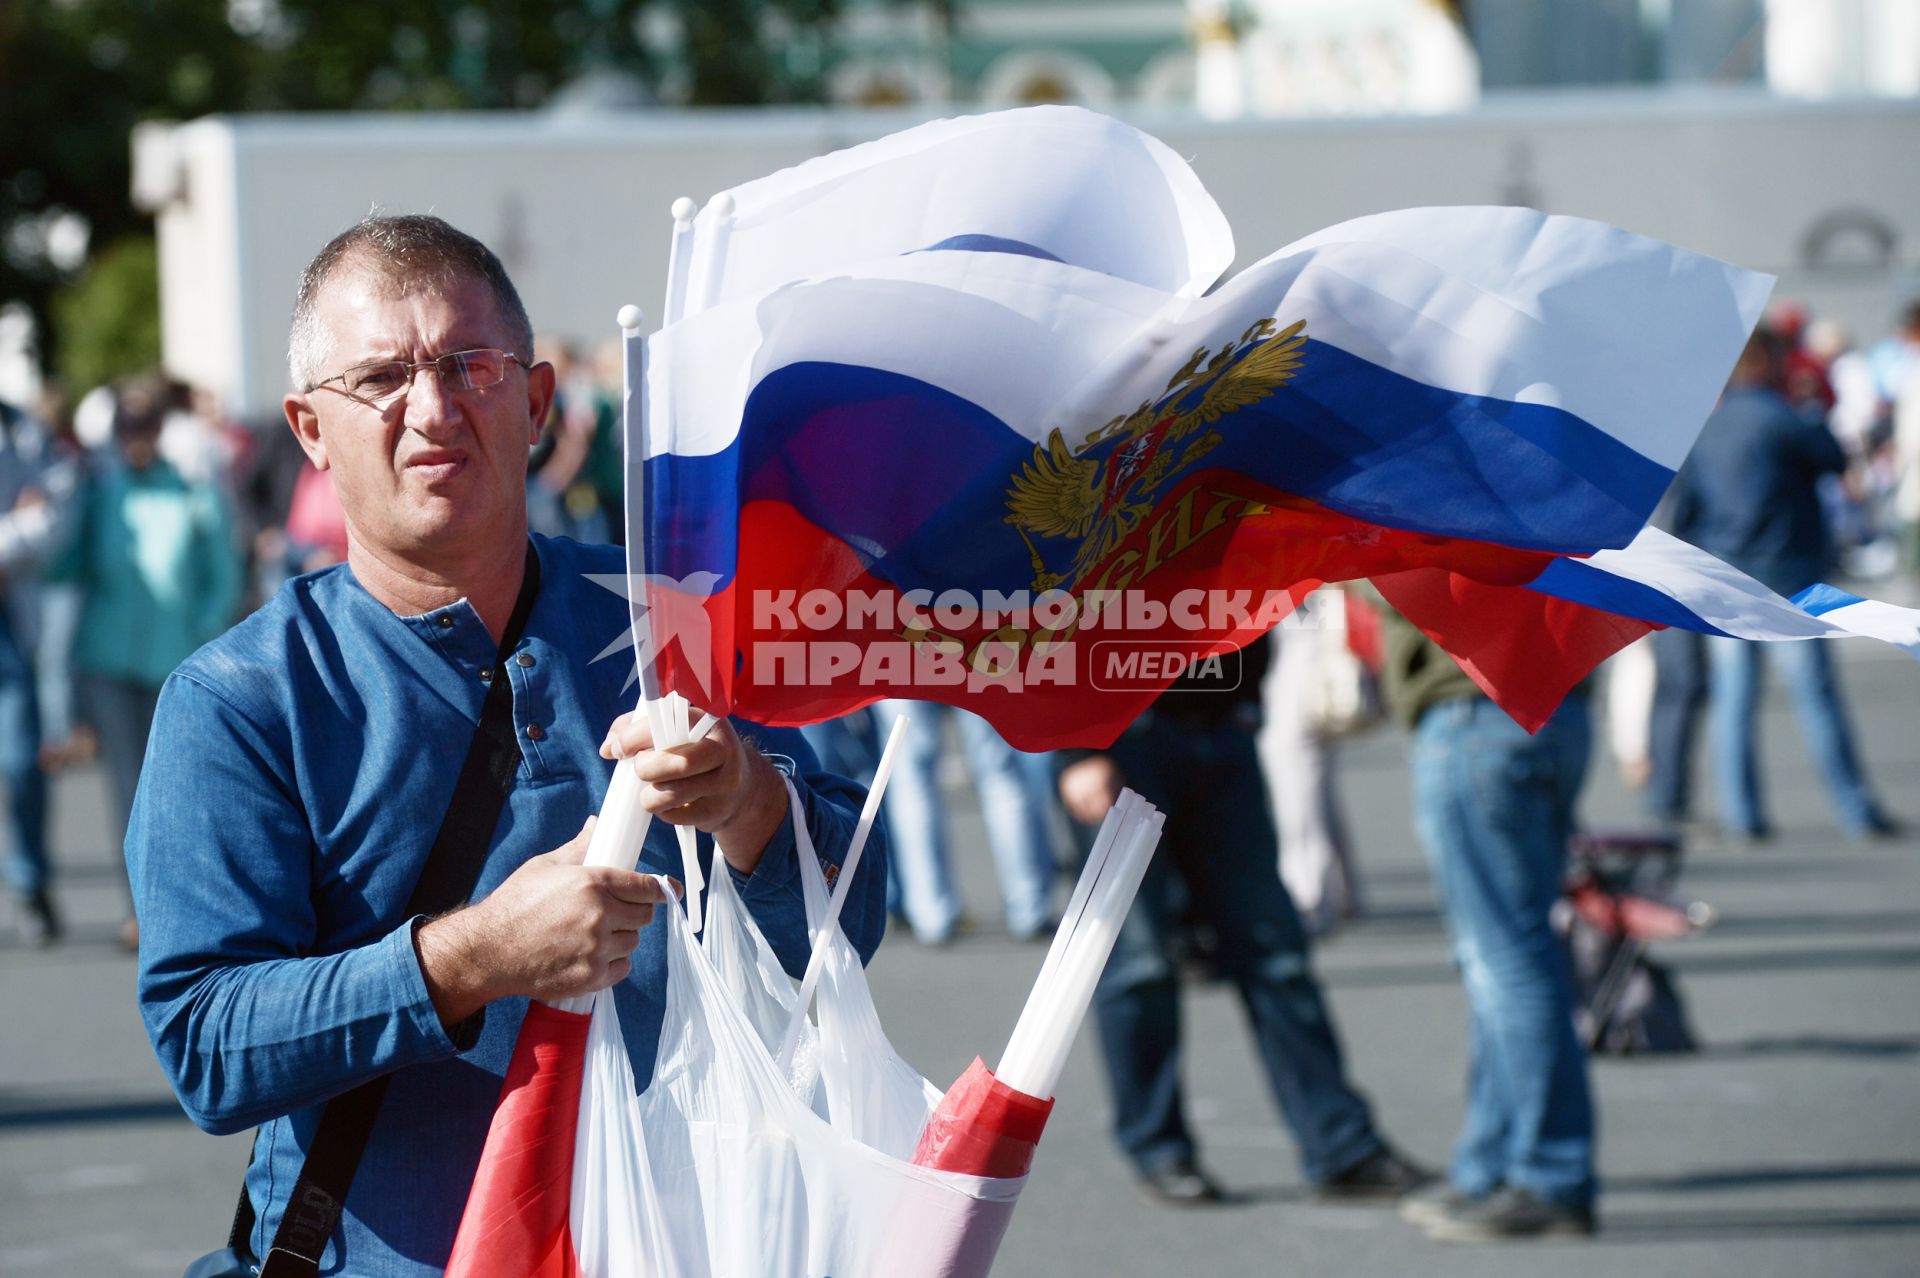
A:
[1905,449]
[1192,755]
[1856,401]
[1747,494]
[1015,801]
[316,525]
[850,746]
[198,441]
[271,472]
[1799,374]
[64,738]
[1632,682]
[1896,355]
[1679,697]
[606,467]
[1677,700]
[36,485]
[563,499]
[313,535]
[155,557]
[1297,752]
[1494,808]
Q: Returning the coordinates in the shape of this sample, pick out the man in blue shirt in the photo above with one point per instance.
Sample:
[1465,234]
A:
[1747,494]
[301,764]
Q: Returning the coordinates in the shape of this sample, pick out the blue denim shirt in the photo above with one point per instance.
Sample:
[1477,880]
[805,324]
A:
[297,774]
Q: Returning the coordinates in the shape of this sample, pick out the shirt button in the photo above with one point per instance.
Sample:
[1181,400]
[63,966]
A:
[486,676]
[536,733]
[444,621]
[525,659]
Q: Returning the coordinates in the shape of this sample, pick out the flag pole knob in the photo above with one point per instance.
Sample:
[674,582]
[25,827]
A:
[722,205]
[631,318]
[684,210]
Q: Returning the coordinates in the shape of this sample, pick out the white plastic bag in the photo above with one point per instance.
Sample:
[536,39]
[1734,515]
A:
[722,1169]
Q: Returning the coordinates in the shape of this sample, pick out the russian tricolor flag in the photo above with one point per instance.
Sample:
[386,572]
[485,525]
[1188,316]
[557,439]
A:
[969,456]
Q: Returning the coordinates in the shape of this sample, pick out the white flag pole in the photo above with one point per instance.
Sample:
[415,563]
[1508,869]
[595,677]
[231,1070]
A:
[817,960]
[1037,1051]
[714,267]
[669,716]
[1115,829]
[679,261]
[623,823]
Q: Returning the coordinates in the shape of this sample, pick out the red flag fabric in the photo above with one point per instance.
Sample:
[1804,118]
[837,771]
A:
[983,1127]
[1525,650]
[516,1222]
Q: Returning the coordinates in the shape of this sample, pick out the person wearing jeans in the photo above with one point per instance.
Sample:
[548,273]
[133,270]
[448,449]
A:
[1679,694]
[1013,802]
[1808,674]
[1494,807]
[26,788]
[1192,755]
[36,508]
[155,556]
[1749,494]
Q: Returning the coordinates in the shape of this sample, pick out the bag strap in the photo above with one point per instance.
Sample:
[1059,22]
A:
[446,881]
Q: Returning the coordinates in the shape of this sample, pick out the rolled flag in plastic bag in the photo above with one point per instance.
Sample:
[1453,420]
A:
[517,1216]
[990,1124]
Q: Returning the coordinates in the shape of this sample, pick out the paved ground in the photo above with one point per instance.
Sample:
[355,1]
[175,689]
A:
[1790,1146]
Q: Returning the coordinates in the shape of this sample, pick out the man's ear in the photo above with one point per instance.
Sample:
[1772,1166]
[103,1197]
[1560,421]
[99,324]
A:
[540,388]
[305,424]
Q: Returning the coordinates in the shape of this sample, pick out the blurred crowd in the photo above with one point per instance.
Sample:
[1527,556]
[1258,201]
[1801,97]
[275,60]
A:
[1808,469]
[141,520]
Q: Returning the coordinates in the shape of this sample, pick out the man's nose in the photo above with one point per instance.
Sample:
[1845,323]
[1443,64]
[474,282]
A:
[431,409]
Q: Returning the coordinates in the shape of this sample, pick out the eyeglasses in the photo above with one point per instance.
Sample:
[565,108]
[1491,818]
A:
[387,380]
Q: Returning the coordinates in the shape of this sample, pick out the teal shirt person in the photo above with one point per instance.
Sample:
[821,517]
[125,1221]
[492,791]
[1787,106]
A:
[156,557]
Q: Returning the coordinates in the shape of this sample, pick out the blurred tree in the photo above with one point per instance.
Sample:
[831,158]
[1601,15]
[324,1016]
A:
[109,319]
[80,73]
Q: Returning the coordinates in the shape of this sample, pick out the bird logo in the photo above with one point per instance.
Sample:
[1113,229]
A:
[665,609]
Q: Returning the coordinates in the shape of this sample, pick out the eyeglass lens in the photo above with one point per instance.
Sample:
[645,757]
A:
[457,370]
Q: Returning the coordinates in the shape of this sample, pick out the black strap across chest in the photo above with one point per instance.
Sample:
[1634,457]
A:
[446,881]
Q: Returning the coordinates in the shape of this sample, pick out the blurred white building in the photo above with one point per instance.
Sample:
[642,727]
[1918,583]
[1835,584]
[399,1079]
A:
[1837,48]
[1822,194]
[1352,57]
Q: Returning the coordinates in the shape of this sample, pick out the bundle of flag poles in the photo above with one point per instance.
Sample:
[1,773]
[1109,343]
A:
[989,1121]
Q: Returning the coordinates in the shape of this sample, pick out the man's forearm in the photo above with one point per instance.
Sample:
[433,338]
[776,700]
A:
[247,1042]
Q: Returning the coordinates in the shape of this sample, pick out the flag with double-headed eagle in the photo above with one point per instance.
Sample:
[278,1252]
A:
[1008,472]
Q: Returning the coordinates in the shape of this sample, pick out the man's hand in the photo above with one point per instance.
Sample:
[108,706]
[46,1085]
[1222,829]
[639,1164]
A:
[1090,788]
[555,929]
[718,784]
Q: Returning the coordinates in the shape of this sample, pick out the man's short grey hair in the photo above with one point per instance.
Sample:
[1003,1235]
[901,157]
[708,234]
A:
[407,251]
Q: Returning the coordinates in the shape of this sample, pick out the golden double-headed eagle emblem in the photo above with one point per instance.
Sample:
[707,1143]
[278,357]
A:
[1075,497]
